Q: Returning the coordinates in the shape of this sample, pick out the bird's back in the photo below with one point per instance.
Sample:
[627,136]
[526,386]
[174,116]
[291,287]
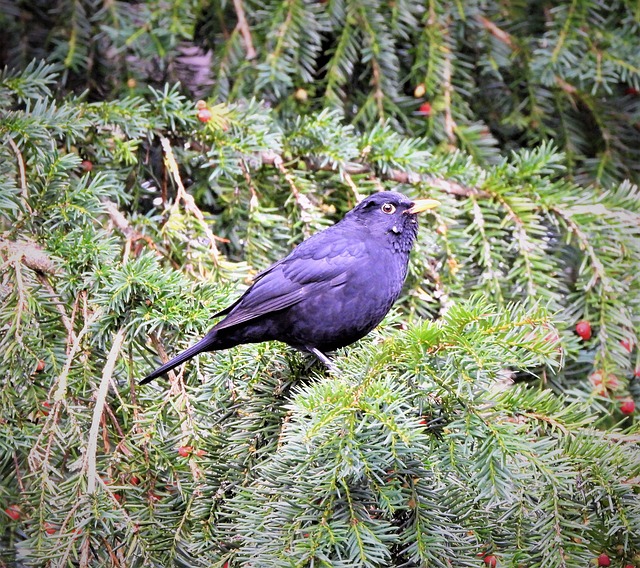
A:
[338,286]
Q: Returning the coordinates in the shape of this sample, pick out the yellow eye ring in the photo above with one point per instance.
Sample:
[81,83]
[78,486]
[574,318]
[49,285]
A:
[388,208]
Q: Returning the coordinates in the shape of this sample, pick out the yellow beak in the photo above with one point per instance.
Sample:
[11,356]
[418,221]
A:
[420,205]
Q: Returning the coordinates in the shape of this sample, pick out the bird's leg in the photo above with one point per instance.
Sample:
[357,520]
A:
[322,357]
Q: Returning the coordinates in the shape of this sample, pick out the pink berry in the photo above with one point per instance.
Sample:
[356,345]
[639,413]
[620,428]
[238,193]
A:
[583,329]
[13,511]
[627,406]
[604,560]
[204,115]
[425,108]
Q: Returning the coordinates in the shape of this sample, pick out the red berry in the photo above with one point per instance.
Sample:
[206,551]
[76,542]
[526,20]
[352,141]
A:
[583,329]
[204,115]
[185,451]
[86,165]
[49,528]
[604,560]
[627,343]
[425,108]
[636,373]
[627,406]
[40,366]
[13,511]
[200,453]
[632,91]
[134,480]
[490,560]
[629,566]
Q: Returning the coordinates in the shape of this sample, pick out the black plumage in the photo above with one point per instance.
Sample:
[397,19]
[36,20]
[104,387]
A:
[330,291]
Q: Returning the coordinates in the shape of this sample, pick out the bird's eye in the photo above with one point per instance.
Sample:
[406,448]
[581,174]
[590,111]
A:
[388,208]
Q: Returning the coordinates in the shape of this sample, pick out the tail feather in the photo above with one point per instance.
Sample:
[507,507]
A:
[205,344]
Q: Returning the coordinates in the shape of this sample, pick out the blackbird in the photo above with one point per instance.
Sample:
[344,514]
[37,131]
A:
[330,291]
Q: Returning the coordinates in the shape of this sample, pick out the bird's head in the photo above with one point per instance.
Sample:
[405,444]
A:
[391,214]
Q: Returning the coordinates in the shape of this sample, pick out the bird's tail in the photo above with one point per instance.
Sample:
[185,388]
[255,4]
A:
[207,343]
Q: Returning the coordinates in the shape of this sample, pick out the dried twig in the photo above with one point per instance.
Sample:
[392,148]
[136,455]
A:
[59,306]
[497,32]
[28,253]
[243,27]
[399,176]
[101,396]
[449,123]
[178,388]
[186,198]
[23,175]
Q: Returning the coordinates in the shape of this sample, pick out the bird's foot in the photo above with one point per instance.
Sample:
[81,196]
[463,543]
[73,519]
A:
[328,363]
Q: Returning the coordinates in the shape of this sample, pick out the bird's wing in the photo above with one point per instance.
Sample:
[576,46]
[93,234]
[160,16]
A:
[308,268]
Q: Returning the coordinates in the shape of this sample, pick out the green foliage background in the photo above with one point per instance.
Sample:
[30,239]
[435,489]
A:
[473,422]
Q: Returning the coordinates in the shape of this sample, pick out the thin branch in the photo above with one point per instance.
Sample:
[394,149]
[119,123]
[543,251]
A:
[23,175]
[301,199]
[413,178]
[178,388]
[449,123]
[59,306]
[187,199]
[497,32]
[101,397]
[599,273]
[243,27]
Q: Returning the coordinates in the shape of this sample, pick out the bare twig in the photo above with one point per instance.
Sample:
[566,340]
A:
[449,123]
[187,199]
[599,272]
[497,32]
[58,396]
[301,199]
[101,396]
[243,27]
[178,388]
[59,306]
[447,186]
[23,175]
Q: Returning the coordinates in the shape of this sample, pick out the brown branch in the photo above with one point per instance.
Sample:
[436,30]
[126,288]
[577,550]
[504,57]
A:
[447,186]
[187,198]
[301,199]
[497,32]
[28,253]
[449,123]
[178,390]
[243,27]
[59,306]
[23,175]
